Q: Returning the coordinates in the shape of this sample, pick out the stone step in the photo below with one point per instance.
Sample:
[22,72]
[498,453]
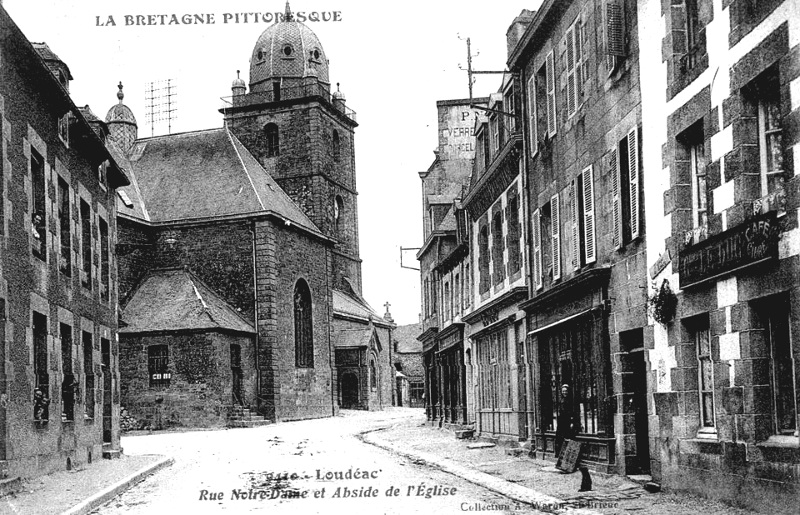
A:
[10,486]
[249,423]
[111,454]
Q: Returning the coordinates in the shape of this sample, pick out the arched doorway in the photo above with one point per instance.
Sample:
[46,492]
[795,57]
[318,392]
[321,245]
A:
[349,389]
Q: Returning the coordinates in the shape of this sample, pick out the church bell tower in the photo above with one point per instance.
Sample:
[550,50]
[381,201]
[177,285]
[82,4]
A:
[301,131]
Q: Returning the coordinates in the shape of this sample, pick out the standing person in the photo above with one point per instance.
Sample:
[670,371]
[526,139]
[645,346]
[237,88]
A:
[567,423]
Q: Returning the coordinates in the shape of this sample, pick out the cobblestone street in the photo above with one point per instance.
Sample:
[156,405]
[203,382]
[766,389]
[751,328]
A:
[314,466]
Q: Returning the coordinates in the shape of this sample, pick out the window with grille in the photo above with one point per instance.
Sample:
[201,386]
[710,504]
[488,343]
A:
[272,139]
[303,334]
[158,366]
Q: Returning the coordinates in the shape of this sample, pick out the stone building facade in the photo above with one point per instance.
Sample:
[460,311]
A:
[721,110]
[410,373]
[59,378]
[444,263]
[578,65]
[496,219]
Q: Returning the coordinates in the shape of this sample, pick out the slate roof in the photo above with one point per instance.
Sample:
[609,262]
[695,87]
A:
[406,338]
[176,300]
[352,338]
[203,174]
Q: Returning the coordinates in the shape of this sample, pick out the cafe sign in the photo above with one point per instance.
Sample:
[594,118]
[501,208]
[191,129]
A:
[753,242]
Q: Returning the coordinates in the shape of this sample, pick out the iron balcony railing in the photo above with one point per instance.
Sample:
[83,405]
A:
[316,89]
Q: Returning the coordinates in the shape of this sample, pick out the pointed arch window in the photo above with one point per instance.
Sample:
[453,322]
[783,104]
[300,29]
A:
[273,144]
[303,335]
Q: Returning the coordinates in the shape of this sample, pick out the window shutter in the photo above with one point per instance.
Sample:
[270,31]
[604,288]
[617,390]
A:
[532,115]
[575,225]
[633,167]
[537,249]
[588,215]
[571,79]
[555,231]
[615,28]
[616,202]
[551,94]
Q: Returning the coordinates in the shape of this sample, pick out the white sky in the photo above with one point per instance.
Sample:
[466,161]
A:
[393,60]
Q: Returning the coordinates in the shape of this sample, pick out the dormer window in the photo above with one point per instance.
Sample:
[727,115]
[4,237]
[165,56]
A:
[288,50]
[315,54]
[260,54]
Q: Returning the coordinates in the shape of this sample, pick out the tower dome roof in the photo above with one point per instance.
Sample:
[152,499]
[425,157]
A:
[288,49]
[120,112]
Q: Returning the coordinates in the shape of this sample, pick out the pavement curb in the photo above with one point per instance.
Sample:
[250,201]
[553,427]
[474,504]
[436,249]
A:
[108,493]
[536,500]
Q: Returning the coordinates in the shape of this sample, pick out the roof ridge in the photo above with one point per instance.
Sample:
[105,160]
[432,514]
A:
[184,133]
[244,167]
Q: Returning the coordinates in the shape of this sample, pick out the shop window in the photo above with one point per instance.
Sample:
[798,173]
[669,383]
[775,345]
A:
[158,366]
[40,368]
[272,139]
[781,368]
[86,244]
[626,206]
[566,357]
[65,228]
[303,335]
[88,374]
[416,390]
[494,369]
[68,385]
[38,212]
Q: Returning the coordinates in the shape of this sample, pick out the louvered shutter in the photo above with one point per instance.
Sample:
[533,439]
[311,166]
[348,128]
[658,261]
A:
[615,28]
[555,232]
[590,249]
[616,200]
[633,167]
[571,79]
[575,225]
[537,249]
[551,94]
[532,115]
